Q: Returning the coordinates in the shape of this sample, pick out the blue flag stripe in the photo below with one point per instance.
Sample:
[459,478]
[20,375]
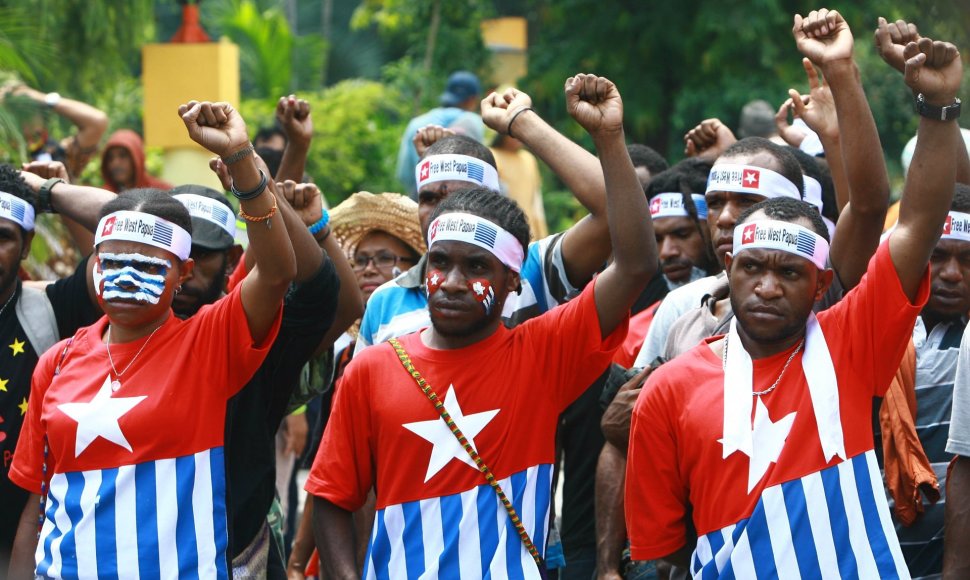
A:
[104,523]
[797,507]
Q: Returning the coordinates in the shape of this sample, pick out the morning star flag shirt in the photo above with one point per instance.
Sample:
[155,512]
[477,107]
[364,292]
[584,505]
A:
[803,516]
[436,515]
[135,464]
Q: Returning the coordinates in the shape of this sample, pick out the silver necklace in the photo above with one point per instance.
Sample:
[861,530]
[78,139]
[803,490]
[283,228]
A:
[7,303]
[116,384]
[783,369]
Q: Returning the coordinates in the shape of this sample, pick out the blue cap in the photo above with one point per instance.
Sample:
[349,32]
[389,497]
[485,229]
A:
[461,86]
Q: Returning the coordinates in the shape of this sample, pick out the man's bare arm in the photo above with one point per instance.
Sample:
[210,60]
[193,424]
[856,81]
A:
[333,531]
[956,541]
[293,115]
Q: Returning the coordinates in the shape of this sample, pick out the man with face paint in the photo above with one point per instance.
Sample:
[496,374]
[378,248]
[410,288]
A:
[70,302]
[492,398]
[763,435]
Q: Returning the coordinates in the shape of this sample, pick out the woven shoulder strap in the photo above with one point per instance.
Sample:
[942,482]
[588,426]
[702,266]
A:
[489,477]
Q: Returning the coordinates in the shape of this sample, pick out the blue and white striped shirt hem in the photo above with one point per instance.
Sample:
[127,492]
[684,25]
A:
[158,519]
[831,524]
[464,536]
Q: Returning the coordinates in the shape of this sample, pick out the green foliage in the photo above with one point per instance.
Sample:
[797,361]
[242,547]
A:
[358,126]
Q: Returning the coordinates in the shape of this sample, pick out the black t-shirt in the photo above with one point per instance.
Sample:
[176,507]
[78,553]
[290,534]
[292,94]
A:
[73,309]
[254,414]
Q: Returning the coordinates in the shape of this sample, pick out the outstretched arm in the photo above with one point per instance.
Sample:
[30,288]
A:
[333,531]
[595,103]
[825,39]
[221,129]
[293,115]
[586,245]
[934,70]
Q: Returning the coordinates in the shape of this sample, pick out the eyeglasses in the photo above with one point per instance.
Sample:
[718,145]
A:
[382,261]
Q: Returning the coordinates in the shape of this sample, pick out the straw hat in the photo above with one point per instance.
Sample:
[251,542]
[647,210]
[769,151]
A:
[365,212]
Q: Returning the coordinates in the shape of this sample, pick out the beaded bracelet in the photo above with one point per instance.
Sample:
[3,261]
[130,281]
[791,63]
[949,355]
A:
[508,130]
[263,218]
[320,223]
[253,193]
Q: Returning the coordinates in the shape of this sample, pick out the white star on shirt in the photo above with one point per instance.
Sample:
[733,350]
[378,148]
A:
[99,417]
[445,445]
[478,288]
[768,439]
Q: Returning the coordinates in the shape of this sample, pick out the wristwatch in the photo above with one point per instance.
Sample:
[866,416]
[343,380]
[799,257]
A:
[947,113]
[44,195]
[52,99]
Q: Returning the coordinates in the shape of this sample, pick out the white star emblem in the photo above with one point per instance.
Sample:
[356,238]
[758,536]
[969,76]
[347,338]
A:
[99,417]
[445,445]
[749,177]
[478,288]
[768,439]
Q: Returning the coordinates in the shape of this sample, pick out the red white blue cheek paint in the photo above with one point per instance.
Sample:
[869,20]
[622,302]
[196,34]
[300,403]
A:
[133,277]
[483,292]
[433,280]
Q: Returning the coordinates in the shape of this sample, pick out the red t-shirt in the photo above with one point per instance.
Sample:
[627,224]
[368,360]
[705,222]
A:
[509,388]
[675,458]
[185,374]
[626,355]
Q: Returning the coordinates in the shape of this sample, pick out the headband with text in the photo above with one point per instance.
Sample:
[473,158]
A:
[16,210]
[472,229]
[665,205]
[785,236]
[210,210]
[956,227]
[448,167]
[136,226]
[752,180]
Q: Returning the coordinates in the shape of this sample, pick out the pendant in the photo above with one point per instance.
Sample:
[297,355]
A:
[115,385]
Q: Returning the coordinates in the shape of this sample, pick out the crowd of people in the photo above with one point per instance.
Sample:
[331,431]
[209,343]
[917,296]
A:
[735,366]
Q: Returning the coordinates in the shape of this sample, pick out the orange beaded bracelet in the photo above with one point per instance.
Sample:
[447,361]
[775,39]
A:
[263,218]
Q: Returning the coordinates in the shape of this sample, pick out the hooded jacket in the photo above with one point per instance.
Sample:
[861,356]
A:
[132,142]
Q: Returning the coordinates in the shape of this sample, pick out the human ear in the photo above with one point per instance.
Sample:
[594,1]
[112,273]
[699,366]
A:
[25,250]
[824,280]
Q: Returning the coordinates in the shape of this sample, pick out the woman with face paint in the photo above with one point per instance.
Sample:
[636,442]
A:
[123,437]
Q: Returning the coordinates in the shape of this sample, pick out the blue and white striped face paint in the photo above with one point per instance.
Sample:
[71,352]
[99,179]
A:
[130,277]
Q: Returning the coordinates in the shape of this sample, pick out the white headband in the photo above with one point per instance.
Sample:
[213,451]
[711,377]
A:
[665,205]
[465,227]
[210,210]
[956,227]
[435,168]
[16,210]
[136,226]
[749,179]
[813,192]
[785,236]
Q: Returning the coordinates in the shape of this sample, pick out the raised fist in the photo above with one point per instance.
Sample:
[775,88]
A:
[823,36]
[498,110]
[428,136]
[36,173]
[934,69]
[595,103]
[708,139]
[892,38]
[304,198]
[293,115]
[216,126]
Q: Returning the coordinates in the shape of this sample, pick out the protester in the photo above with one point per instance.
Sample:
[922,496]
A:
[468,283]
[123,164]
[86,444]
[694,453]
[74,151]
[458,112]
[647,162]
[33,319]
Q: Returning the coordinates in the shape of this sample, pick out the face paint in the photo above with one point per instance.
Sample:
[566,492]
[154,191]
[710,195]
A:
[434,281]
[130,277]
[483,292]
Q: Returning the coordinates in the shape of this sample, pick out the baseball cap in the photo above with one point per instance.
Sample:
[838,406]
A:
[206,233]
[461,86]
